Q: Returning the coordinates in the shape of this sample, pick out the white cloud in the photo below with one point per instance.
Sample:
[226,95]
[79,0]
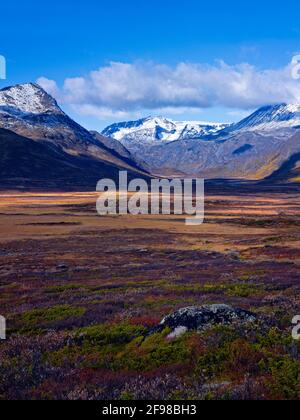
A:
[50,86]
[122,89]
[103,112]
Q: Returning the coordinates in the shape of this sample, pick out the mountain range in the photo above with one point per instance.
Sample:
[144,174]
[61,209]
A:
[253,149]
[160,130]
[42,147]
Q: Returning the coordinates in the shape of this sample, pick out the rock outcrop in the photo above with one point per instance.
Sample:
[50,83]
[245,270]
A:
[203,317]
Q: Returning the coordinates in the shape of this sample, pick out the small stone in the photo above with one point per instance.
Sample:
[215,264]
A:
[62,267]
[235,255]
[178,332]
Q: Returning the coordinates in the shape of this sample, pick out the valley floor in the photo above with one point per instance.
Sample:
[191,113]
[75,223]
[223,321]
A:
[80,293]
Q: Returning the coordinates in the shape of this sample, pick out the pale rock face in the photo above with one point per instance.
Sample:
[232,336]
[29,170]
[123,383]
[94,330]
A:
[178,332]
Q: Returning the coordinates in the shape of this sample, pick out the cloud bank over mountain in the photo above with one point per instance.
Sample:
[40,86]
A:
[120,89]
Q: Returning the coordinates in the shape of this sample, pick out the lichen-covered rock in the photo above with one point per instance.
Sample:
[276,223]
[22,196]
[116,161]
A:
[200,318]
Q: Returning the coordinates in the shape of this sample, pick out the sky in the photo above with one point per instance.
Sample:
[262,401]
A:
[108,61]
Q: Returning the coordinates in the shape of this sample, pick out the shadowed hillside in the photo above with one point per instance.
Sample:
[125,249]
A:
[25,163]
[288,172]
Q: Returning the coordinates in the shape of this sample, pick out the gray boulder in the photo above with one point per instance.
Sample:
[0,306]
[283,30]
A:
[200,318]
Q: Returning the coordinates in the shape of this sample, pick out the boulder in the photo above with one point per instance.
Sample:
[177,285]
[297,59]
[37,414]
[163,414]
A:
[203,317]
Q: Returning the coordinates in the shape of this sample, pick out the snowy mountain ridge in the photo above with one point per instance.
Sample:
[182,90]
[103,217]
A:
[155,130]
[252,149]
[271,117]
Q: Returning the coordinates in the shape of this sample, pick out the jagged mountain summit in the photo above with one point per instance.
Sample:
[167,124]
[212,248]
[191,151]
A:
[160,130]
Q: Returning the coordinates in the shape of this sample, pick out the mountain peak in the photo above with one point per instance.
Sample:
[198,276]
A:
[28,98]
[154,130]
[271,117]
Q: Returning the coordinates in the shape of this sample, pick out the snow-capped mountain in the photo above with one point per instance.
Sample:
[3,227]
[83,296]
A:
[251,149]
[29,111]
[274,117]
[160,130]
[265,143]
[27,99]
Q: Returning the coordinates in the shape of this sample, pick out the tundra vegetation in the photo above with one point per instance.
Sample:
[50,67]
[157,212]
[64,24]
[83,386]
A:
[82,295]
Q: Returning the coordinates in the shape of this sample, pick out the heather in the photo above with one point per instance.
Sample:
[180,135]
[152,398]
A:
[83,302]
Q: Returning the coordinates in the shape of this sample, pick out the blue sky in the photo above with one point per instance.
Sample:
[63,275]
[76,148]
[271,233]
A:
[61,40]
